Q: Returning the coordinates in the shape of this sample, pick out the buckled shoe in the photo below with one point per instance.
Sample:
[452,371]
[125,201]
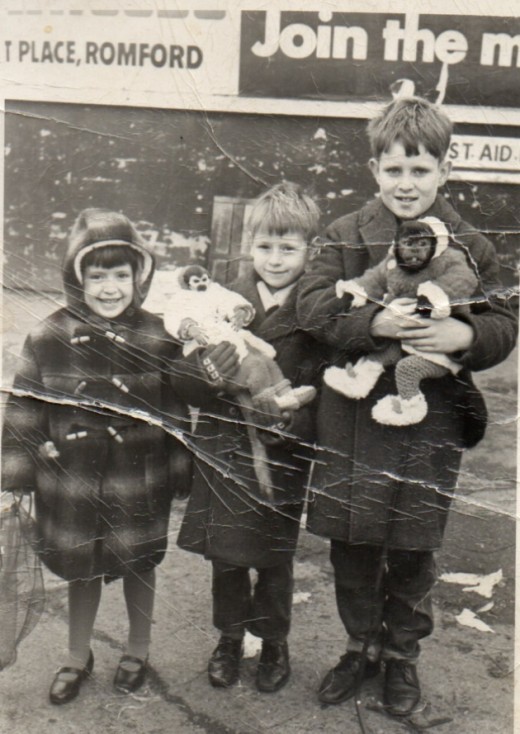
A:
[67,682]
[130,674]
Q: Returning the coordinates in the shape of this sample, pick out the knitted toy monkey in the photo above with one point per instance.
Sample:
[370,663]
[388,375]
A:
[420,265]
[203,312]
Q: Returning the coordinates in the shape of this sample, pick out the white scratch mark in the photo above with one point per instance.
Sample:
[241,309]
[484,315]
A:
[470,619]
[482,585]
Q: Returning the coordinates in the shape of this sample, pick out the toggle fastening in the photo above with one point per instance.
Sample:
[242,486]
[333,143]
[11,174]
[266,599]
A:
[121,385]
[76,435]
[115,435]
[114,337]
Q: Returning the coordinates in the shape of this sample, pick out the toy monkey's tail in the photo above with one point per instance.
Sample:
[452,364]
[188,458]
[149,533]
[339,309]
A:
[258,451]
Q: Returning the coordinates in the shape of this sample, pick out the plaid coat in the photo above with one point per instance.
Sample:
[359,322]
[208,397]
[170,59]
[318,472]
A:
[100,391]
[363,467]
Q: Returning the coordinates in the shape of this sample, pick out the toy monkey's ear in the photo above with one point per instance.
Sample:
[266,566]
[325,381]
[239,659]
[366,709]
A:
[180,277]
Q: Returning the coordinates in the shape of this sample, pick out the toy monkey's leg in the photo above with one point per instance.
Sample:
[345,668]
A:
[409,406]
[265,381]
[411,370]
[357,380]
[388,356]
[277,377]
[256,373]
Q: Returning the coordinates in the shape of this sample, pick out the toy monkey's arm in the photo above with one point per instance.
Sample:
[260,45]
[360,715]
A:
[457,278]
[242,315]
[189,329]
[453,282]
[371,286]
[230,304]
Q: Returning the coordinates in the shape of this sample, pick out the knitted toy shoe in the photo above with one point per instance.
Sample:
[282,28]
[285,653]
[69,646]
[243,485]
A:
[288,401]
[303,395]
[393,410]
[354,381]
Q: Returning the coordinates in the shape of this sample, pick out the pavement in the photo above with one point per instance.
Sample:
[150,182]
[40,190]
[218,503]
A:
[466,666]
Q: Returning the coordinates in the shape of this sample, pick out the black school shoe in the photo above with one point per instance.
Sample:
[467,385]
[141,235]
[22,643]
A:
[224,663]
[273,667]
[129,678]
[67,682]
[340,683]
[402,691]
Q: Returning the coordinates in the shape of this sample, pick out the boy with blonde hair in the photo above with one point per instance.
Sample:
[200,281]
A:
[228,518]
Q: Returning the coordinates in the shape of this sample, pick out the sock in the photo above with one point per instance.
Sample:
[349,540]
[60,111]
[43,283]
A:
[84,597]
[139,590]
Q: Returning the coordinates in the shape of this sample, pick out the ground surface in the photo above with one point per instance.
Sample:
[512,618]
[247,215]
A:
[467,674]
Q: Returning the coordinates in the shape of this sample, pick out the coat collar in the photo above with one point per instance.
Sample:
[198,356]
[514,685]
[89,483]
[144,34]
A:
[377,224]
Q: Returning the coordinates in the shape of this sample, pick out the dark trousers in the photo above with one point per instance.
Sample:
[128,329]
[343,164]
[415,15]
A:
[398,615]
[263,609]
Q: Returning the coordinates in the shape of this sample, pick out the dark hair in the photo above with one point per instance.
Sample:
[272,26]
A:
[111,256]
[412,121]
[106,239]
[285,208]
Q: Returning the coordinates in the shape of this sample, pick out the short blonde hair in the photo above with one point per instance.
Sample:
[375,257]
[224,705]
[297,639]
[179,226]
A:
[285,208]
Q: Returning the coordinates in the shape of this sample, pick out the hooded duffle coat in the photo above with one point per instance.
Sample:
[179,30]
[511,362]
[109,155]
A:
[101,391]
[371,481]
[227,518]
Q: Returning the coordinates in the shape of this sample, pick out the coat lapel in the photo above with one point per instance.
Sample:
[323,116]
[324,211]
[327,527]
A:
[377,229]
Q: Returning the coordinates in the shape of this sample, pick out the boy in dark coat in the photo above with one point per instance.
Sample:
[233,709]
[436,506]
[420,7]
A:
[382,493]
[228,519]
[103,479]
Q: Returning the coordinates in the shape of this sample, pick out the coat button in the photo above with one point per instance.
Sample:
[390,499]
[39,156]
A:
[233,412]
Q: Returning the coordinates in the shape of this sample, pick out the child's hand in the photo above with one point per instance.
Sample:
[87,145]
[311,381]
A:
[220,362]
[446,336]
[395,316]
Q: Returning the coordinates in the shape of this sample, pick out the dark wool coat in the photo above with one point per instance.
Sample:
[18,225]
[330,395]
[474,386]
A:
[227,518]
[102,506]
[363,467]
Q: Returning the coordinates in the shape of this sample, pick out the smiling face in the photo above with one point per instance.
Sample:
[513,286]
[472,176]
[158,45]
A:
[279,260]
[408,183]
[108,291]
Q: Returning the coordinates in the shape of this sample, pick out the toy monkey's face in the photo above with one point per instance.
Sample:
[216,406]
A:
[198,282]
[414,252]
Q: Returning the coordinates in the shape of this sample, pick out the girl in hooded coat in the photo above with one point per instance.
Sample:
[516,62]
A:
[103,477]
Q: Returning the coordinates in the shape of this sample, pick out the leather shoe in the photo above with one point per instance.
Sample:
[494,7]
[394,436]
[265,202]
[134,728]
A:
[273,667]
[341,682]
[67,682]
[224,663]
[130,674]
[402,691]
